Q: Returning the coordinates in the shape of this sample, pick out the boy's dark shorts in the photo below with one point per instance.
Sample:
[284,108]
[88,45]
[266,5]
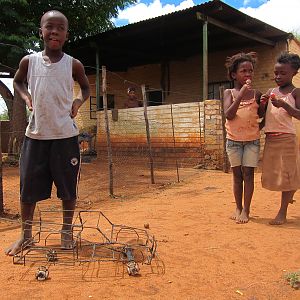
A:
[43,162]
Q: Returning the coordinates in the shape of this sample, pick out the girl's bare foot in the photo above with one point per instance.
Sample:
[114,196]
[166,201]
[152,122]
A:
[243,218]
[16,247]
[279,219]
[236,215]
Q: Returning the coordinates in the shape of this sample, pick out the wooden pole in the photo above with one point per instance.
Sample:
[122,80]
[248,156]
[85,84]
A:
[174,143]
[225,158]
[109,151]
[148,133]
[205,61]
[97,79]
[1,176]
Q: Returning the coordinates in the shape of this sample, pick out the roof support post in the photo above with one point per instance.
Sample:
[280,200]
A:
[97,79]
[205,61]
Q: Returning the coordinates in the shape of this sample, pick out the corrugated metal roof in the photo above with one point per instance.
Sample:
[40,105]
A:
[174,36]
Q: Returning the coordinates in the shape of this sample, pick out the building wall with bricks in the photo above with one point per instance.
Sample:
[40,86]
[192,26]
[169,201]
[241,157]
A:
[294,46]
[199,124]
[191,133]
[182,81]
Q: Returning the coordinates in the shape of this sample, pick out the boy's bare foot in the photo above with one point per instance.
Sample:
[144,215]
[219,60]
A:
[243,218]
[16,247]
[236,215]
[66,239]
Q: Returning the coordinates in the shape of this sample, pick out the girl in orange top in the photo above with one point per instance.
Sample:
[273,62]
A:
[241,107]
[281,161]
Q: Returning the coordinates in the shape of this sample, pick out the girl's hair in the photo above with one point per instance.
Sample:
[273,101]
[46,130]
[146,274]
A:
[289,58]
[232,62]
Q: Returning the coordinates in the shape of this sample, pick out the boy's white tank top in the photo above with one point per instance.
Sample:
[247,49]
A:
[51,89]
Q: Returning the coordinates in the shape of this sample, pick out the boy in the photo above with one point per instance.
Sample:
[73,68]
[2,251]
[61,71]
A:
[50,151]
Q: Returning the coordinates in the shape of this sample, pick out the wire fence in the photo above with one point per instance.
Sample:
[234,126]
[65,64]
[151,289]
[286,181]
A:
[128,151]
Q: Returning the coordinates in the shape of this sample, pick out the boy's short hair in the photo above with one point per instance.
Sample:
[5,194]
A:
[53,11]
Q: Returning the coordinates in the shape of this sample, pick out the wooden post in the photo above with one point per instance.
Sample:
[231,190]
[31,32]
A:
[1,177]
[205,61]
[97,80]
[225,158]
[148,132]
[174,143]
[109,151]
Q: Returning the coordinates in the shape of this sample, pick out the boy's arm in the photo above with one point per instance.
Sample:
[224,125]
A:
[19,82]
[84,93]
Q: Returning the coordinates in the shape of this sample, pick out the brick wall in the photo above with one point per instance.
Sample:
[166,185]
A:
[189,132]
[184,82]
[198,126]
[294,46]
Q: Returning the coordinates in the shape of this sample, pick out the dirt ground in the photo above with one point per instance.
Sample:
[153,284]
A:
[202,254]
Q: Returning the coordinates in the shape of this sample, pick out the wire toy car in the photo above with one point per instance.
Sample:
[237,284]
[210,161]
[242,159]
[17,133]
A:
[93,238]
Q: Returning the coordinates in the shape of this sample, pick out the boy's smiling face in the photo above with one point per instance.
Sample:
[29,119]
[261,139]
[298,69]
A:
[54,30]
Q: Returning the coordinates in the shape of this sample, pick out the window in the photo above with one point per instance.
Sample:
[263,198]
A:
[214,88]
[94,106]
[155,97]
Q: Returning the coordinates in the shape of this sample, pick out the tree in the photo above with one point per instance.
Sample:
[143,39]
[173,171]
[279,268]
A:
[20,19]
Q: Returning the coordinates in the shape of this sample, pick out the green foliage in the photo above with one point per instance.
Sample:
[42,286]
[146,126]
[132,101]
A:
[293,279]
[20,19]
[4,115]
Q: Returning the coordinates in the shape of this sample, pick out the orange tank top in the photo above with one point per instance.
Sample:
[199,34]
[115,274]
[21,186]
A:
[277,118]
[245,125]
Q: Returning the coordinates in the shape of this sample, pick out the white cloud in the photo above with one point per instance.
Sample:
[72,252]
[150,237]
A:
[283,14]
[142,11]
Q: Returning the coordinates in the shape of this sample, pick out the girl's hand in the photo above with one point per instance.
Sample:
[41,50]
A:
[277,102]
[246,87]
[264,98]
[249,84]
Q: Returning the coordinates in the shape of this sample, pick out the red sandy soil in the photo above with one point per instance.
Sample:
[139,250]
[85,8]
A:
[205,254]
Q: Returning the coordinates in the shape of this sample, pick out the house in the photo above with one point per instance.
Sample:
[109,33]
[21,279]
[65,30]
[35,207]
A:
[179,57]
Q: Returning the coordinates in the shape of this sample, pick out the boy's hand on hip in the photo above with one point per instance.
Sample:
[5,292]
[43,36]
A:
[76,104]
[28,102]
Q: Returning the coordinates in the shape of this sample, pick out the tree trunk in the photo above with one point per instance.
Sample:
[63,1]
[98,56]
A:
[7,97]
[18,126]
